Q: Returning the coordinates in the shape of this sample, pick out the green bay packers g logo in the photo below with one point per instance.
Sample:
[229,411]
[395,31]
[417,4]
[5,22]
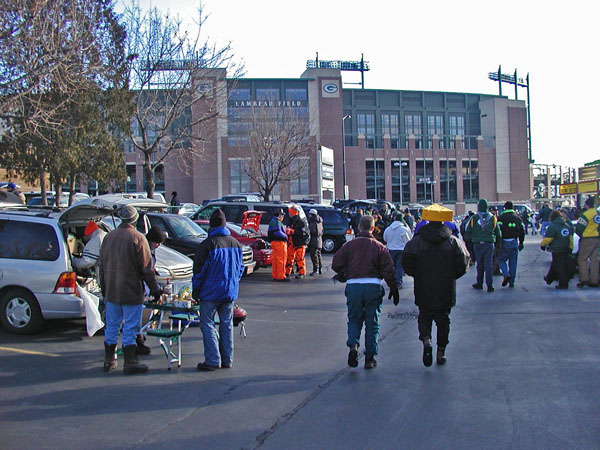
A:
[565,232]
[597,219]
[330,88]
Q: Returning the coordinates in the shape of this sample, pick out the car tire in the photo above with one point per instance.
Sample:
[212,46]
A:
[329,244]
[20,312]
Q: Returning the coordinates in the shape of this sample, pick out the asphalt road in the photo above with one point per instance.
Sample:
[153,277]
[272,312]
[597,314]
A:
[522,372]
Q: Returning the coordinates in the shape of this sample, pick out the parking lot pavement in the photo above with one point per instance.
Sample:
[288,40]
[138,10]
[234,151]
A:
[521,373]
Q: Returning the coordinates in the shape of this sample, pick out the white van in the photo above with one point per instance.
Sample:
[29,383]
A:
[37,279]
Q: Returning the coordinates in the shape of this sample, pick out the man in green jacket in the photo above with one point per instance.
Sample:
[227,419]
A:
[484,232]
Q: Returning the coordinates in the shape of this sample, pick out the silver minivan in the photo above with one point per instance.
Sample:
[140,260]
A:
[37,280]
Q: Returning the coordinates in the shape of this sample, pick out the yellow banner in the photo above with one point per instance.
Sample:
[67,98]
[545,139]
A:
[566,189]
[587,186]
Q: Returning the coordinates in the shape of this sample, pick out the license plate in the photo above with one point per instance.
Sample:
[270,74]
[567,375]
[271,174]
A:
[249,270]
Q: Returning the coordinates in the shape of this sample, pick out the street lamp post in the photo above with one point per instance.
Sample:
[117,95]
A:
[400,165]
[347,116]
[431,183]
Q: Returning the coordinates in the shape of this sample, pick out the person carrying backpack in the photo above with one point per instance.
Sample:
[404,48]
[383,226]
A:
[484,232]
[513,235]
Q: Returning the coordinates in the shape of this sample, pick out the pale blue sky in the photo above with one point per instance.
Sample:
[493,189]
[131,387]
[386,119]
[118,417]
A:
[433,45]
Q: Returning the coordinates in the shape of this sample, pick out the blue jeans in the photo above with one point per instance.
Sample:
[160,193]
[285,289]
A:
[129,315]
[509,253]
[397,259]
[484,255]
[218,348]
[364,306]
[545,225]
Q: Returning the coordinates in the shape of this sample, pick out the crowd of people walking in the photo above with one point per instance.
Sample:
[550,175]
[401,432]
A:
[430,249]
[387,245]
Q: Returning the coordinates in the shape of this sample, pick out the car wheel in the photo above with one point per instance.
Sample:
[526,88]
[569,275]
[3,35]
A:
[329,244]
[20,312]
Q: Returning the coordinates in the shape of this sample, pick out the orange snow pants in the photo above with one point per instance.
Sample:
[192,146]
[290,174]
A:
[279,258]
[295,254]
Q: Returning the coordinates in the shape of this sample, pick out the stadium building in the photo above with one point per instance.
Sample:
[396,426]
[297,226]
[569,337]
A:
[407,147]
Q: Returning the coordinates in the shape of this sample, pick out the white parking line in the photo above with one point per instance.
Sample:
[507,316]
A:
[28,352]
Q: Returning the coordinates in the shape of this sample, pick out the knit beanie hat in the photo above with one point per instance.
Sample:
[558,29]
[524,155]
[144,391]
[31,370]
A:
[508,205]
[482,206]
[128,214]
[90,228]
[155,234]
[217,218]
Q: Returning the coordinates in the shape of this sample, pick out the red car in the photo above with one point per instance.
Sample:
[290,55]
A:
[248,233]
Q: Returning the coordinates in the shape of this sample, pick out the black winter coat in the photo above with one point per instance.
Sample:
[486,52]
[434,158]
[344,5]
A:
[315,225]
[301,234]
[435,259]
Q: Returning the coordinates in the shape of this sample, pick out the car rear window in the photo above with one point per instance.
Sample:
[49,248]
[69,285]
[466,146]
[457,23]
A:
[28,240]
[333,217]
[233,212]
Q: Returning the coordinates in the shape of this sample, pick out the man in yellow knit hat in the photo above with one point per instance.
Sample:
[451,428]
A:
[435,259]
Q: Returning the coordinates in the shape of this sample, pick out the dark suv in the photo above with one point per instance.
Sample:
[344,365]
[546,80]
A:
[335,226]
[184,235]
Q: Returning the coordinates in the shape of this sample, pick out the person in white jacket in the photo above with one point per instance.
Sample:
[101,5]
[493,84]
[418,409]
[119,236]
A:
[91,251]
[396,235]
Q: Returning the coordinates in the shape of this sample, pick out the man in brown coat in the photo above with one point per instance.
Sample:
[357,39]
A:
[362,263]
[125,263]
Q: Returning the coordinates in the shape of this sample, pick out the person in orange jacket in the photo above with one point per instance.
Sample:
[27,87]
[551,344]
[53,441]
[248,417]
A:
[300,236]
[278,238]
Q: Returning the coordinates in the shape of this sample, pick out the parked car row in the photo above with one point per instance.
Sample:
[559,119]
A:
[37,278]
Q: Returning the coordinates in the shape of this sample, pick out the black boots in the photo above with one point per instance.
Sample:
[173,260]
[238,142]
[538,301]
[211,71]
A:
[353,356]
[141,348]
[109,357]
[132,362]
[370,362]
[427,353]
[440,356]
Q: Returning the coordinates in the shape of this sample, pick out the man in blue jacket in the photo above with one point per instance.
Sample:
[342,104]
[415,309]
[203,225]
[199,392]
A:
[218,269]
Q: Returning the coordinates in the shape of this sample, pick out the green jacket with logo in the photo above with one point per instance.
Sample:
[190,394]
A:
[483,227]
[511,225]
[559,237]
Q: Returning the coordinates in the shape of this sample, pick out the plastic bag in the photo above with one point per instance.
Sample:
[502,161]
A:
[92,314]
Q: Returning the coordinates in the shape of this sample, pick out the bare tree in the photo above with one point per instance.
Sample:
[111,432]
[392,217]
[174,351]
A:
[56,55]
[178,79]
[280,146]
[48,46]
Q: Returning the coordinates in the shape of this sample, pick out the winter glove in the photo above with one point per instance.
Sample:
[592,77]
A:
[520,246]
[156,295]
[395,294]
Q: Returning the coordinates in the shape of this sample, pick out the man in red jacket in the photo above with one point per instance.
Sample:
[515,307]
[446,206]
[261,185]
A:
[362,263]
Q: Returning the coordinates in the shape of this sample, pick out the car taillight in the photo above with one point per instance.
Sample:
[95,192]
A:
[66,284]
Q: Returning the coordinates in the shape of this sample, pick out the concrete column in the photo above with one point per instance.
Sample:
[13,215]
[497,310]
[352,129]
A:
[436,170]
[387,166]
[412,158]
